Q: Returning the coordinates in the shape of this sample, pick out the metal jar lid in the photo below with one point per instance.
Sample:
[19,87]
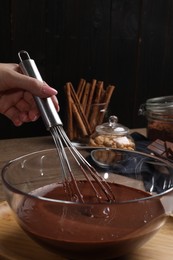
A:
[112,127]
[160,105]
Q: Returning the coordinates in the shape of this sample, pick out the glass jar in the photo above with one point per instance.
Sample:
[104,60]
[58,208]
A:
[112,134]
[159,115]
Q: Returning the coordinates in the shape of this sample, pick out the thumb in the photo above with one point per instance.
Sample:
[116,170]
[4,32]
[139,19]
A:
[34,86]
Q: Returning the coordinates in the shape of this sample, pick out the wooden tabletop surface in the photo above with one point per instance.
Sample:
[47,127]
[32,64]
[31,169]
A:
[158,248]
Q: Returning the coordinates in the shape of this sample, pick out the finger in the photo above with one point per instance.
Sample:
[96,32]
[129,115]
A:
[14,79]
[8,100]
[28,97]
[34,86]
[56,103]
[33,115]
[23,106]
[30,116]
[18,118]
[30,100]
[13,115]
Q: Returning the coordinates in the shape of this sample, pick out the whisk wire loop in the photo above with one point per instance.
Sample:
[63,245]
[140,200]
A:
[88,171]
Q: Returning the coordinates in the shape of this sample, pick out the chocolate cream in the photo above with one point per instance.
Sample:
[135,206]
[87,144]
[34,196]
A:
[90,230]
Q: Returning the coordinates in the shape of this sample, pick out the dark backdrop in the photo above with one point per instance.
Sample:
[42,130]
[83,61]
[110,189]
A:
[127,43]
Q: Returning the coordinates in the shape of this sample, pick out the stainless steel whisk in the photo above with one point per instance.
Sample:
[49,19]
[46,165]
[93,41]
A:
[54,124]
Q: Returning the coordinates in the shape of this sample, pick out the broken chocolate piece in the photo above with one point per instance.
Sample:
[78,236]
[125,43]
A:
[157,147]
[163,149]
[169,148]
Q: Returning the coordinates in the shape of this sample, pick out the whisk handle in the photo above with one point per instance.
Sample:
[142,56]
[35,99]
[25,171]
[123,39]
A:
[45,105]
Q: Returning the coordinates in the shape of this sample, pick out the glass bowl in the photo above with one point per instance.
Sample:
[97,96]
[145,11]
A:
[143,189]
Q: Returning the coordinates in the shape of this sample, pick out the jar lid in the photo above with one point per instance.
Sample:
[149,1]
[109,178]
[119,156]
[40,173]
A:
[157,105]
[112,127]
[160,102]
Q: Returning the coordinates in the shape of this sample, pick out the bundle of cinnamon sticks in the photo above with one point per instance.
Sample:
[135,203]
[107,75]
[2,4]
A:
[86,107]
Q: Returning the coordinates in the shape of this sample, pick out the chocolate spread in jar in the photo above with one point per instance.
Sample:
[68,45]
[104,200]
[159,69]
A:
[159,114]
[91,231]
[158,129]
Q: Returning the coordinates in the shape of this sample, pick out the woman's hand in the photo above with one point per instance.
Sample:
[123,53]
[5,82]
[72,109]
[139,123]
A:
[16,94]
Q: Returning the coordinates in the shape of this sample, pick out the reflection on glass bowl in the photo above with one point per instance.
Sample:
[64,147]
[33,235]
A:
[106,157]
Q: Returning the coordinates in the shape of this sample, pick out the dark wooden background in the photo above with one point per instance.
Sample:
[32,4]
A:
[128,43]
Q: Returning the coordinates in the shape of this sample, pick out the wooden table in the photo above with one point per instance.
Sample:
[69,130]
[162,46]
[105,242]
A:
[14,244]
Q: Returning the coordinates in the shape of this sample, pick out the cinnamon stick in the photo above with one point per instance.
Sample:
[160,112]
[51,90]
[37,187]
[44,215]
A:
[80,109]
[79,120]
[69,112]
[105,100]
[90,98]
[95,109]
[84,98]
[80,88]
